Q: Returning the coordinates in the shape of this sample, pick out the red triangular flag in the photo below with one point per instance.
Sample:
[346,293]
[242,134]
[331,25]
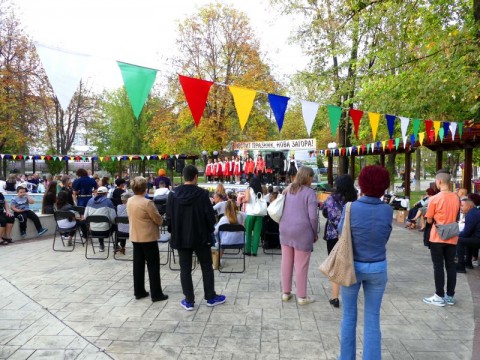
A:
[356,116]
[363,149]
[390,144]
[428,126]
[196,93]
[431,135]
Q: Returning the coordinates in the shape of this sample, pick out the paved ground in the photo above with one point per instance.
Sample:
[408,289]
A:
[62,306]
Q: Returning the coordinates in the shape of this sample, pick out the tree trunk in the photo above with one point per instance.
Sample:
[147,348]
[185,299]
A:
[418,165]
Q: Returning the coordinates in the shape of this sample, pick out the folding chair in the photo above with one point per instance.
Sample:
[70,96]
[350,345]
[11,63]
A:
[165,239]
[106,235]
[271,237]
[240,247]
[121,236]
[161,205]
[59,216]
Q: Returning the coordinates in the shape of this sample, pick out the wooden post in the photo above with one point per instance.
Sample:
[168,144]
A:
[439,163]
[467,169]
[33,165]
[330,169]
[143,165]
[382,160]
[408,169]
[93,166]
[352,166]
[66,167]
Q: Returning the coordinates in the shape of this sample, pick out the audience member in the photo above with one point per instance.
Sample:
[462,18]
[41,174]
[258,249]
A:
[123,229]
[67,187]
[21,209]
[118,192]
[101,205]
[162,177]
[50,198]
[144,233]
[83,187]
[161,192]
[299,212]
[253,222]
[191,224]
[469,238]
[6,222]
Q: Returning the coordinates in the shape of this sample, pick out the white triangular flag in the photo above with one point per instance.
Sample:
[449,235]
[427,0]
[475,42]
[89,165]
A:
[64,70]
[309,112]
[453,129]
[405,142]
[404,125]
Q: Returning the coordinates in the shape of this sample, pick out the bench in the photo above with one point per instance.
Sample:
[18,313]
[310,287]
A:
[47,221]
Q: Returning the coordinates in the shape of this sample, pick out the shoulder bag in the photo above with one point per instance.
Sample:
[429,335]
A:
[338,266]
[275,209]
[447,231]
[260,206]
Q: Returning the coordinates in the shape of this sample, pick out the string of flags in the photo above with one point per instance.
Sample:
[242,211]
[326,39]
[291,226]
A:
[65,69]
[95,158]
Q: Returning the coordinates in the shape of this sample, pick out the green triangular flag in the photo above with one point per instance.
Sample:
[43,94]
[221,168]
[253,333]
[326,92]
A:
[416,127]
[397,142]
[368,148]
[142,157]
[441,133]
[55,158]
[138,82]
[460,129]
[334,113]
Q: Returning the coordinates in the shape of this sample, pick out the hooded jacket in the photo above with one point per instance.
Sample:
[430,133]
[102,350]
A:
[101,205]
[190,217]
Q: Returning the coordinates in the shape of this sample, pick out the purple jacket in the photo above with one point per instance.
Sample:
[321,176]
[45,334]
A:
[298,225]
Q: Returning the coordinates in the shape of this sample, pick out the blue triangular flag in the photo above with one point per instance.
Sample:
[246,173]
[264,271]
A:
[390,124]
[278,104]
[412,139]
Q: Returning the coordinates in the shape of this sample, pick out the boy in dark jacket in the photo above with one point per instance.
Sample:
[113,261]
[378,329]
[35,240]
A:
[191,222]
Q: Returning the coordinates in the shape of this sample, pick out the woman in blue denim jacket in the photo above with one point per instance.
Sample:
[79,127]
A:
[371,225]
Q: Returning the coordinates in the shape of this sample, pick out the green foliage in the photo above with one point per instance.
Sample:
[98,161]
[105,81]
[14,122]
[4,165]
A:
[55,166]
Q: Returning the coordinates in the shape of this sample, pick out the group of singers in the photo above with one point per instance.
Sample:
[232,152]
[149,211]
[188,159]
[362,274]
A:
[231,170]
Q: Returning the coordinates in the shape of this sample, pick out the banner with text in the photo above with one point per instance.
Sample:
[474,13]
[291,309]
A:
[299,144]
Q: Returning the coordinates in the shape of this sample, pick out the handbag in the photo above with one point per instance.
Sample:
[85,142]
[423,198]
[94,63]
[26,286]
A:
[338,266]
[260,206]
[275,209]
[447,231]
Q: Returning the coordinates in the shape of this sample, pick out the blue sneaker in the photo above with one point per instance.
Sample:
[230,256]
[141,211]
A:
[23,234]
[449,300]
[186,305]
[42,231]
[217,300]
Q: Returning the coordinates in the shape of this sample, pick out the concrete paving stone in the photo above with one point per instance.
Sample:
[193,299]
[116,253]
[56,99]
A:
[7,350]
[21,355]
[239,345]
[302,349]
[297,335]
[396,348]
[130,347]
[439,345]
[7,335]
[217,330]
[437,356]
[228,318]
[48,342]
[179,339]
[151,336]
[268,357]
[163,325]
[190,327]
[208,341]
[246,332]
[281,324]
[196,353]
[10,324]
[220,355]
[122,334]
[165,351]
[55,354]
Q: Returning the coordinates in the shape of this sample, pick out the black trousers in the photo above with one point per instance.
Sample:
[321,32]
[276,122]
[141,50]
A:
[29,214]
[146,252]
[204,256]
[466,246]
[444,254]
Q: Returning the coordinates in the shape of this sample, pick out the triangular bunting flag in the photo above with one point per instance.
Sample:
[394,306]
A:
[390,144]
[130,158]
[441,134]
[412,139]
[460,129]
[397,143]
[446,126]
[390,124]
[404,125]
[374,120]
[42,157]
[431,135]
[383,144]
[436,126]
[421,136]
[356,116]
[138,81]
[148,157]
[101,158]
[368,148]
[14,157]
[278,104]
[196,92]
[309,112]
[405,142]
[428,126]
[453,129]
[243,99]
[416,127]
[64,70]
[334,114]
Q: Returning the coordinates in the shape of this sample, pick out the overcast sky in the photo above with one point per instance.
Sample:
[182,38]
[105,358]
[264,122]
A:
[143,32]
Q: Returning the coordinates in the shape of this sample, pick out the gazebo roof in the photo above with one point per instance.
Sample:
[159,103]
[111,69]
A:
[470,139]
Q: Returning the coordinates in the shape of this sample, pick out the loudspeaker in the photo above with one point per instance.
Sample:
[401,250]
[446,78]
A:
[171,163]
[278,158]
[180,165]
[269,161]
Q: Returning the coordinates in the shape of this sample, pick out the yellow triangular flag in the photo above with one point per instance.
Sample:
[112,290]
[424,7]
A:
[101,158]
[130,157]
[383,144]
[14,157]
[421,136]
[374,121]
[436,127]
[243,99]
[42,157]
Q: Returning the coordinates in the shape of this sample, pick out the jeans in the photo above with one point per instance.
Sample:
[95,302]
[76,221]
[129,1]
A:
[470,247]
[204,256]
[373,289]
[146,252]
[253,224]
[441,252]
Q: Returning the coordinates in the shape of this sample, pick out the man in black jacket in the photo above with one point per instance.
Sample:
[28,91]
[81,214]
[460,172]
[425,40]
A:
[469,237]
[191,222]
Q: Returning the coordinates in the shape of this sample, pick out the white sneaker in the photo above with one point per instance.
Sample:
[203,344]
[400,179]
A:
[286,297]
[434,300]
[305,300]
[475,262]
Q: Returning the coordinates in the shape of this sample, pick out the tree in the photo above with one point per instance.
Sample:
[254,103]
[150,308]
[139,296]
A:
[217,44]
[19,69]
